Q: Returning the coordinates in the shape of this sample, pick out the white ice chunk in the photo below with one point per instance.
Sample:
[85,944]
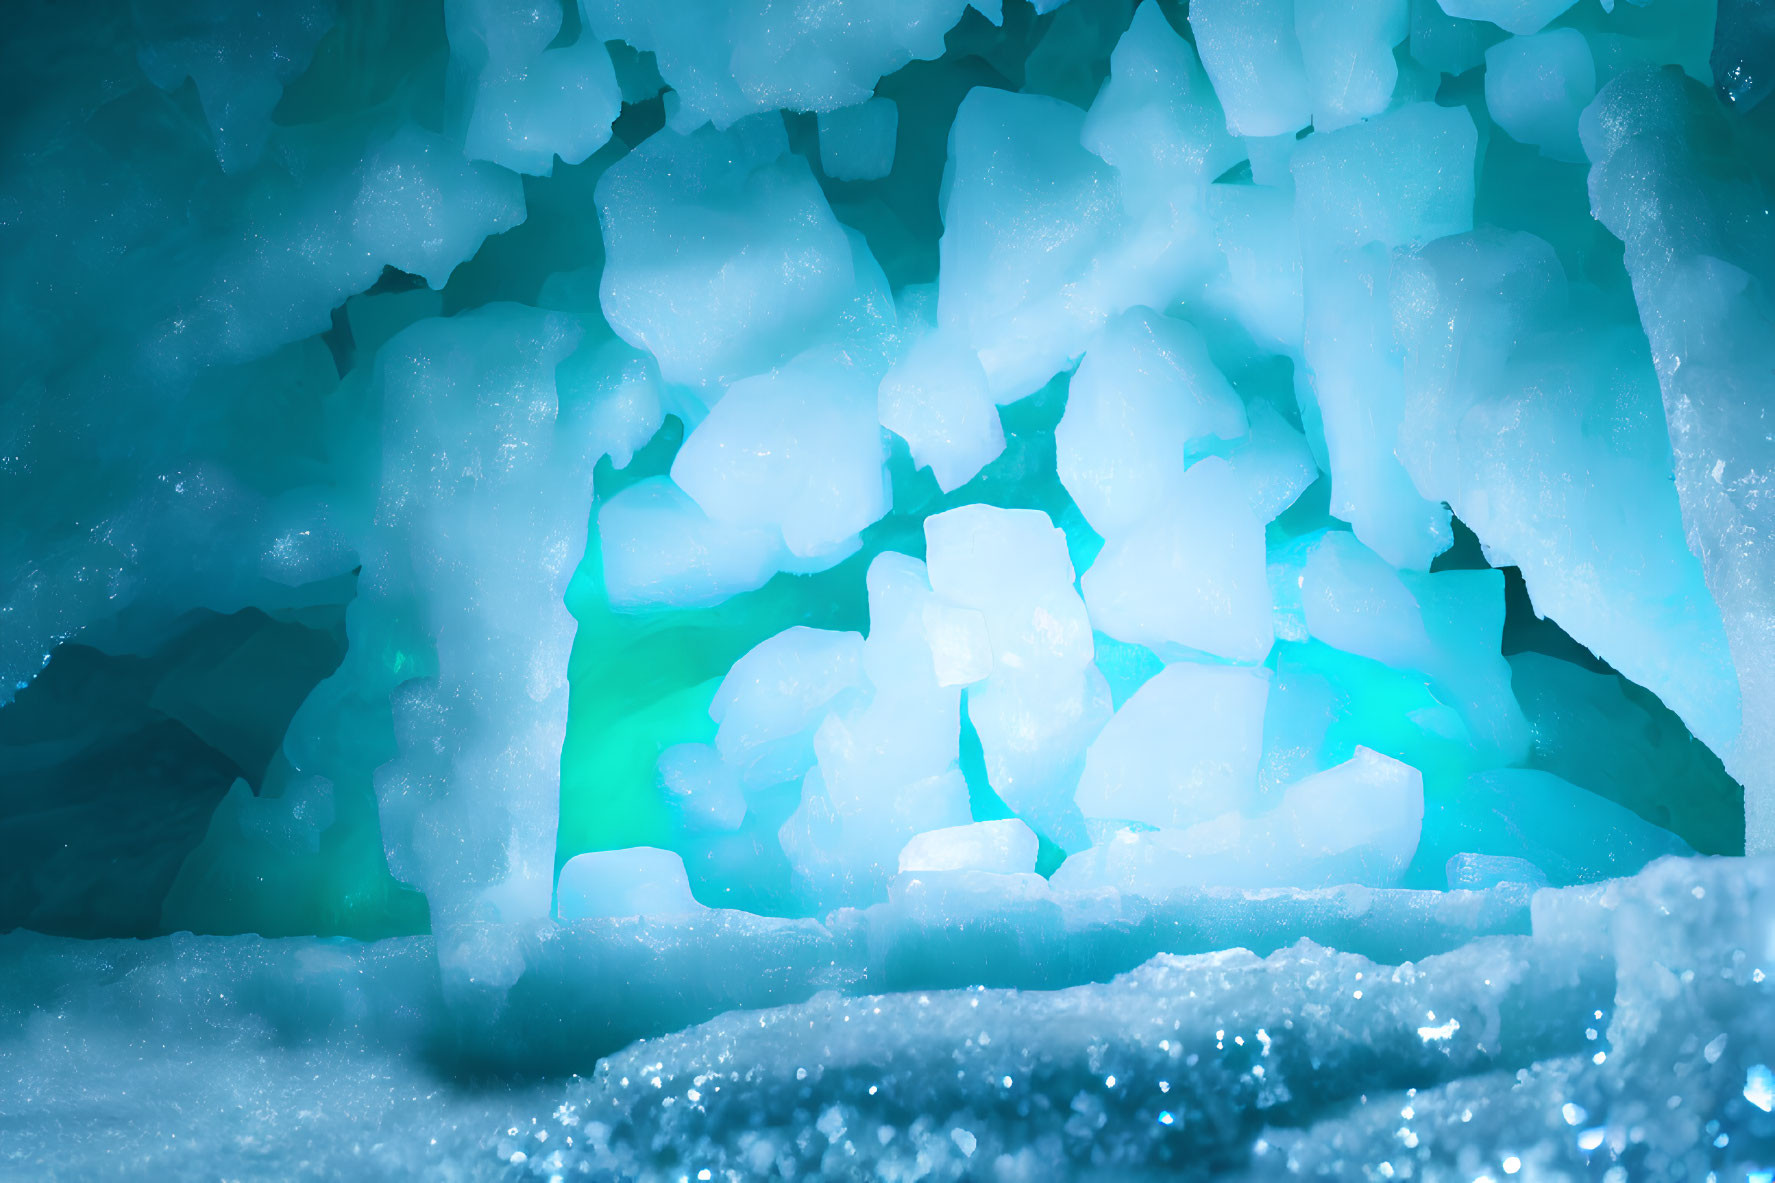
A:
[636,881]
[1405,177]
[1191,575]
[728,59]
[531,103]
[1513,16]
[722,256]
[1183,749]
[1012,566]
[1027,213]
[661,550]
[1348,52]
[1005,847]
[1254,226]
[701,786]
[615,391]
[484,499]
[1250,50]
[1273,464]
[857,143]
[1357,823]
[1146,393]
[961,650]
[798,451]
[1034,730]
[1357,386]
[774,698]
[936,399]
[1536,86]
[1156,118]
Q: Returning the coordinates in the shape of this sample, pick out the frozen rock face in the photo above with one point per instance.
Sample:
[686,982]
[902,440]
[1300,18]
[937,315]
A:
[1700,312]
[1511,374]
[239,70]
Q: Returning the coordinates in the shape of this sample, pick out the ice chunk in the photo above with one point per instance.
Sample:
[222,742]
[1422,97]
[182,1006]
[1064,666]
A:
[1005,847]
[1254,226]
[1183,749]
[1012,566]
[1535,86]
[723,258]
[1144,396]
[1357,390]
[727,60]
[1356,823]
[857,143]
[1156,118]
[637,881]
[937,400]
[1348,55]
[704,790]
[1513,16]
[887,763]
[531,103]
[1034,730]
[660,549]
[961,649]
[1250,50]
[423,209]
[1273,464]
[1191,575]
[615,390]
[1045,701]
[774,698]
[797,451]
[1027,211]
[1405,177]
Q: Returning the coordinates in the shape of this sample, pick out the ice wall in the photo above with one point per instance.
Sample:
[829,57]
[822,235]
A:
[736,443]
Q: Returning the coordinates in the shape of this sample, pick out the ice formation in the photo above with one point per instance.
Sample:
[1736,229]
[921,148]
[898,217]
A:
[1017,590]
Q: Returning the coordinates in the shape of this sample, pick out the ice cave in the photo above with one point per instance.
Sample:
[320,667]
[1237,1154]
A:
[1002,590]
